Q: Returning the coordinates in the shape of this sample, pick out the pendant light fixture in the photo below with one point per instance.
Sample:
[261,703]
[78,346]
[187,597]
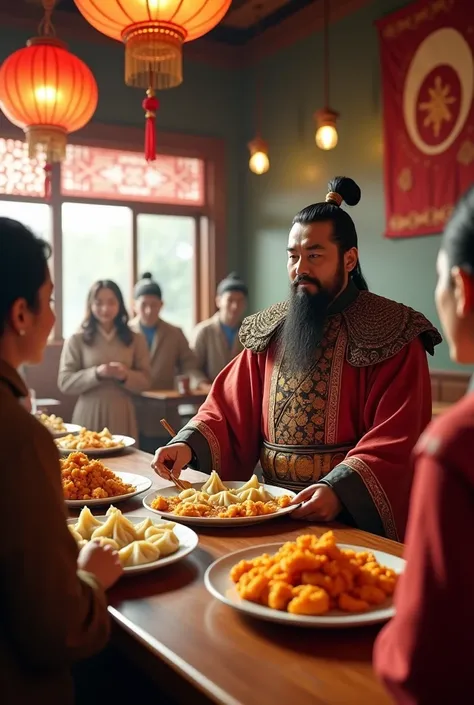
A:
[48,92]
[153,32]
[259,163]
[326,119]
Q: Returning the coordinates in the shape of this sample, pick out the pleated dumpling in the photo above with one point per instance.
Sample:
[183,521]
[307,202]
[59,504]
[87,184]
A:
[138,553]
[142,527]
[154,531]
[167,543]
[223,499]
[75,534]
[86,523]
[111,510]
[259,495]
[116,527]
[213,484]
[103,541]
[253,483]
[187,495]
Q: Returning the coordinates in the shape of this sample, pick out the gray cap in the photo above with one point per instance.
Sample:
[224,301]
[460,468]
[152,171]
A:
[232,282]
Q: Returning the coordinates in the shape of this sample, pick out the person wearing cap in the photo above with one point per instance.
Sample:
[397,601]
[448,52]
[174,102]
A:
[215,341]
[170,353]
[331,392]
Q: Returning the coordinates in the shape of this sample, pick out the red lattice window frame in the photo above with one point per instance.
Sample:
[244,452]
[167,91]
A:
[19,175]
[115,175]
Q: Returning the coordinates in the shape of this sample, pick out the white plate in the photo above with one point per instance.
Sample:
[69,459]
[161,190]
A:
[188,540]
[71,428]
[219,584]
[127,441]
[214,521]
[141,483]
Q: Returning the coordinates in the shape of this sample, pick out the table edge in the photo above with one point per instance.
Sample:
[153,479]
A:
[172,659]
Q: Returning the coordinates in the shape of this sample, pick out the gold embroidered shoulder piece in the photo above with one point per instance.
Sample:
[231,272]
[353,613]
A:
[379,328]
[257,330]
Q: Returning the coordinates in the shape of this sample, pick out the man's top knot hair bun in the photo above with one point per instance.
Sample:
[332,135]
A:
[342,189]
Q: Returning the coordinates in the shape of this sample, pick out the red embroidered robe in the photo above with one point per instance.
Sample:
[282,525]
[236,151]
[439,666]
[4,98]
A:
[351,422]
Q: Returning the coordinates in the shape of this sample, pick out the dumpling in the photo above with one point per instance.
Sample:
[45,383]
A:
[223,499]
[187,494]
[164,525]
[86,524]
[117,527]
[103,541]
[253,483]
[111,510]
[167,543]
[213,484]
[138,553]
[75,534]
[142,527]
[154,531]
[259,495]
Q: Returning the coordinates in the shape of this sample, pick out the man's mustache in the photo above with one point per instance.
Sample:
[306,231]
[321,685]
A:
[306,280]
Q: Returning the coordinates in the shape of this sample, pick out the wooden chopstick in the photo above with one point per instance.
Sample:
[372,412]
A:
[172,433]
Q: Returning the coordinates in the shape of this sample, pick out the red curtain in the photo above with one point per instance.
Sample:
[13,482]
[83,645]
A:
[427,63]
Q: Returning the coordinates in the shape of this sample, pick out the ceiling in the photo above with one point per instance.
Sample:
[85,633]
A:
[245,19]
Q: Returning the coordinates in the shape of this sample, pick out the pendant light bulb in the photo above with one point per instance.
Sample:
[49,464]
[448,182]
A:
[259,163]
[326,132]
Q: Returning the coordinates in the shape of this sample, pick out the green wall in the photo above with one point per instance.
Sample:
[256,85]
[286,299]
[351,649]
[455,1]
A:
[292,90]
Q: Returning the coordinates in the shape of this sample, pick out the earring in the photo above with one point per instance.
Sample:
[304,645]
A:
[22,332]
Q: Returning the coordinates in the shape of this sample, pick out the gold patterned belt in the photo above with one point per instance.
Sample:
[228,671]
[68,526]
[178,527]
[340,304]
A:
[296,467]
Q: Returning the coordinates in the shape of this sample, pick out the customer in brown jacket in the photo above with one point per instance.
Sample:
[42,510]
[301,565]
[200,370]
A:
[215,341]
[53,610]
[170,356]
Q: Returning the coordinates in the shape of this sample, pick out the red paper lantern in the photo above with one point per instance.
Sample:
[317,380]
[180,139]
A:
[153,32]
[48,92]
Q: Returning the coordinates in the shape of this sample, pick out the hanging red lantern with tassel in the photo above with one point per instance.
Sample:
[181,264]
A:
[48,92]
[153,32]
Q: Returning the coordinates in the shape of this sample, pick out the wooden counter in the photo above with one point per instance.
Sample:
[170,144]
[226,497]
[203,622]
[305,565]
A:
[207,653]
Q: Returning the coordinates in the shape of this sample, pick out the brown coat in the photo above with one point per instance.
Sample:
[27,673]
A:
[211,347]
[104,403]
[51,615]
[170,356]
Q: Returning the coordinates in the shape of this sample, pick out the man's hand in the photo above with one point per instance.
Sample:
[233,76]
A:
[320,503]
[171,458]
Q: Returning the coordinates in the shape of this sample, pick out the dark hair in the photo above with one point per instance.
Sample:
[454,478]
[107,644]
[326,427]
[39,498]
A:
[23,267]
[147,286]
[342,190]
[458,238]
[90,322]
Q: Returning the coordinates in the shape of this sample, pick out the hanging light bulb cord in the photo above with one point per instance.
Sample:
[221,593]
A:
[258,78]
[326,51]
[46,27]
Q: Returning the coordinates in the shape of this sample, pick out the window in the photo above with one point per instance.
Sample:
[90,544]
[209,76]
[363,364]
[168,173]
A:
[36,216]
[166,249]
[96,245]
[111,215]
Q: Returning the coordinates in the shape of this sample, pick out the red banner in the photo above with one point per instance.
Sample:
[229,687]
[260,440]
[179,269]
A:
[428,78]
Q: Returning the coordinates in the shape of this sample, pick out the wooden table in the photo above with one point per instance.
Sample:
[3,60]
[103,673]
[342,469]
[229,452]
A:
[164,403]
[440,406]
[207,653]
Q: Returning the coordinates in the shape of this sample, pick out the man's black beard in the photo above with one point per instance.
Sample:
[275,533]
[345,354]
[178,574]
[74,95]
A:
[303,329]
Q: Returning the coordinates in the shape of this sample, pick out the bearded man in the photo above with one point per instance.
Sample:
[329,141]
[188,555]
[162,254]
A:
[331,391]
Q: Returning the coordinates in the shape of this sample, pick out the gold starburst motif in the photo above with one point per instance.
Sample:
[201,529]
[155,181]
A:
[437,107]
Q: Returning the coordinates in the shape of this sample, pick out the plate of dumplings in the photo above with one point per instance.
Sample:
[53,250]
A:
[214,503]
[142,543]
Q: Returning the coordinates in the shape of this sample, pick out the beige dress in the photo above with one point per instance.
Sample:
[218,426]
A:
[104,403]
[211,348]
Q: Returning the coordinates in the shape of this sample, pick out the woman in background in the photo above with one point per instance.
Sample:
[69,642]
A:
[425,654]
[104,363]
[53,610]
